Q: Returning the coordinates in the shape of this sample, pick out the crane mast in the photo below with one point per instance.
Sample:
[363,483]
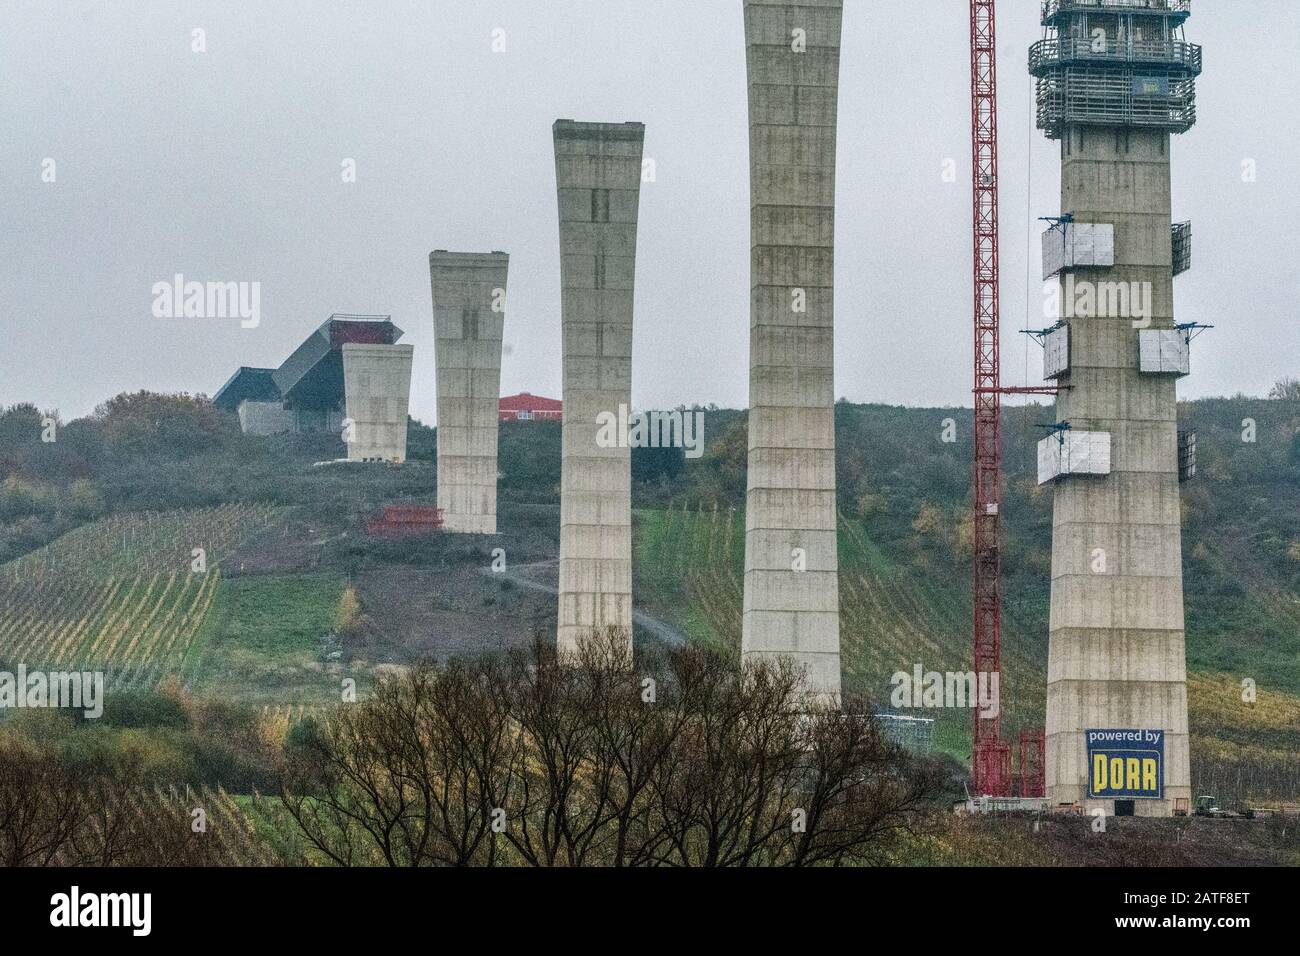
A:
[990,757]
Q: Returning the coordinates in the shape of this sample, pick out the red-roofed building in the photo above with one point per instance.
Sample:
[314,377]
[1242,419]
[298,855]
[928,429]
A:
[526,407]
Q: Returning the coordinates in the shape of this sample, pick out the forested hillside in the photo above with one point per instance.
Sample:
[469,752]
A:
[99,519]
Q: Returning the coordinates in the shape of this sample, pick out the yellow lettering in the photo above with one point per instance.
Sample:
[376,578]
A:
[1133,781]
[1098,773]
[1149,775]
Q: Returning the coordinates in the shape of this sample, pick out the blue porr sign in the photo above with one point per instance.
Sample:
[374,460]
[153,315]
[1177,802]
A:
[1126,764]
[1150,86]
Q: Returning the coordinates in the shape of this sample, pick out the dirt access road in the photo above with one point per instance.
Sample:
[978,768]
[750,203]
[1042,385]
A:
[544,576]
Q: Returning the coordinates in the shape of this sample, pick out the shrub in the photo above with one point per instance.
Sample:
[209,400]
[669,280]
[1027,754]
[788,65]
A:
[144,708]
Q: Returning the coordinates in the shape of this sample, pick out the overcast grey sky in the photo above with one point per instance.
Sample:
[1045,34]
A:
[225,165]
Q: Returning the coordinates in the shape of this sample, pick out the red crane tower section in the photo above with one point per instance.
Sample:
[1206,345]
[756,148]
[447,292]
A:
[990,755]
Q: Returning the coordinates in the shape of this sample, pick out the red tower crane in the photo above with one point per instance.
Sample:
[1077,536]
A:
[990,755]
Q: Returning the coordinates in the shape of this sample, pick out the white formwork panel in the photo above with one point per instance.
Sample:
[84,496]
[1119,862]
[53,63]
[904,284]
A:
[1073,453]
[1049,459]
[1164,352]
[1078,245]
[1056,352]
[1094,244]
[1086,453]
[1053,252]
[1103,244]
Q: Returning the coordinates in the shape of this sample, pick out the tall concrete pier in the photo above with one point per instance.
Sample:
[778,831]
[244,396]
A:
[598,175]
[469,300]
[1113,85]
[791,605]
[377,392]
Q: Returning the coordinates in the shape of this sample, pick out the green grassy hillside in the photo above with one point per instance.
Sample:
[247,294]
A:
[263,639]
[905,570]
[126,595]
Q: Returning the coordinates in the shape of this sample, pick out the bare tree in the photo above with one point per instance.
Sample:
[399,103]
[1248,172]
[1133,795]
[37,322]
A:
[361,790]
[40,807]
[597,759]
[413,776]
[860,789]
[597,731]
[727,791]
[103,814]
[1286,389]
[561,792]
[477,753]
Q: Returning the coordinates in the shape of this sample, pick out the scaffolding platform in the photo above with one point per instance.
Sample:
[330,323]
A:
[1115,63]
[1176,10]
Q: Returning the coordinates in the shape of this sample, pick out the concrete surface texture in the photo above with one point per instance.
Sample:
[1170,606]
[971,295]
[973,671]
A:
[469,303]
[598,176]
[265,418]
[791,600]
[377,391]
[1116,657]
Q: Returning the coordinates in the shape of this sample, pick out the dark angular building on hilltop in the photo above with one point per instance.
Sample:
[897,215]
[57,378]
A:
[349,377]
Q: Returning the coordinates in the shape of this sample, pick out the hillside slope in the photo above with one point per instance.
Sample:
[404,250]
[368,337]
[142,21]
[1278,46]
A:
[905,572]
[296,597]
[125,595]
